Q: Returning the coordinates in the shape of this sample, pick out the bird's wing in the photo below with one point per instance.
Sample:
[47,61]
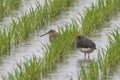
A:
[88,43]
[85,43]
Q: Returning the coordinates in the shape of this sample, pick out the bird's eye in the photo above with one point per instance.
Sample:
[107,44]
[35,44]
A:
[50,31]
[77,38]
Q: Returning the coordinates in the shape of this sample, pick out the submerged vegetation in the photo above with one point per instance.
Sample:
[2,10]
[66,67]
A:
[98,14]
[1,8]
[110,57]
[53,54]
[94,17]
[107,59]
[20,29]
[89,73]
[7,5]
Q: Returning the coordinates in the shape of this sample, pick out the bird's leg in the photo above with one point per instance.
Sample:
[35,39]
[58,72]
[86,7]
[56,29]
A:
[85,56]
[88,56]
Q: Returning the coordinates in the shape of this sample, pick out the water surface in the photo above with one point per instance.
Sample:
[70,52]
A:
[71,65]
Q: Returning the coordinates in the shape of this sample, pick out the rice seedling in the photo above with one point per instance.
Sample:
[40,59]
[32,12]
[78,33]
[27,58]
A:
[89,73]
[1,9]
[97,15]
[90,22]
[111,55]
[7,5]
[107,59]
[19,30]
[5,41]
[60,5]
[29,70]
[53,54]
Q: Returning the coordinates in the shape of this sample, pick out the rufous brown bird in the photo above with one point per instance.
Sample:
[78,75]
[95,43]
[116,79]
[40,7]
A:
[52,35]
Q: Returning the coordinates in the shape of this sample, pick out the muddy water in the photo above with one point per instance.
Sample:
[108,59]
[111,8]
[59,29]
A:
[33,46]
[70,66]
[24,6]
[116,74]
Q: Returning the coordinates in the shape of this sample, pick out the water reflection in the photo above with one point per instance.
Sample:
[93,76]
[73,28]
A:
[71,65]
[19,12]
[85,62]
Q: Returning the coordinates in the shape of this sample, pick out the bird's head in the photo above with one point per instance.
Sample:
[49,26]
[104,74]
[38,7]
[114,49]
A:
[49,32]
[79,37]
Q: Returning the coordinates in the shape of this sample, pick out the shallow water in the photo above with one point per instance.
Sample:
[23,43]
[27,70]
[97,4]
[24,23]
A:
[116,74]
[33,46]
[71,65]
[24,6]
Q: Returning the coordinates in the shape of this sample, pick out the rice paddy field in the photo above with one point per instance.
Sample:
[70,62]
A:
[24,55]
[6,6]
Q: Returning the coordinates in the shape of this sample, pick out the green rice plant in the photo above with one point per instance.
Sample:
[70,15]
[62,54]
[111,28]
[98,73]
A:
[10,5]
[54,53]
[60,5]
[107,59]
[5,41]
[36,67]
[97,15]
[21,29]
[1,9]
[111,57]
[91,72]
[28,70]
[62,46]
[7,5]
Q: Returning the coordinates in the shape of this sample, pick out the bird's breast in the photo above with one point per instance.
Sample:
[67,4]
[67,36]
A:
[52,37]
[86,50]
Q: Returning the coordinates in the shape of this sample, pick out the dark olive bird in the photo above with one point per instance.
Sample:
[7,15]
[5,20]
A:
[85,45]
[52,35]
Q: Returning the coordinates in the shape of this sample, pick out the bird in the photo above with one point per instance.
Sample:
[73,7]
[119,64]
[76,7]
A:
[85,45]
[52,35]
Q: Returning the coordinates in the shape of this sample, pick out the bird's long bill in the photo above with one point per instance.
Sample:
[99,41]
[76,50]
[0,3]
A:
[44,34]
